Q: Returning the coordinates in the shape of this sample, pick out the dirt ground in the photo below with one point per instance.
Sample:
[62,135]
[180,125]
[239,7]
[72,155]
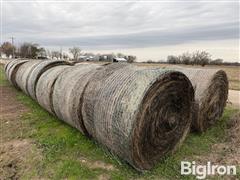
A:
[229,151]
[16,153]
[234,98]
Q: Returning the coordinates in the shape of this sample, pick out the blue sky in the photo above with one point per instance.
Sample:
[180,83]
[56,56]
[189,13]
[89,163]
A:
[149,30]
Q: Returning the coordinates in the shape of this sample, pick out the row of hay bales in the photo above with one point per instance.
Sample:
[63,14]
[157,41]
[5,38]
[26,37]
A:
[140,114]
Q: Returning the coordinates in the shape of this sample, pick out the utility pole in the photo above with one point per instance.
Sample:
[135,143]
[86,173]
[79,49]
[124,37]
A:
[13,47]
[61,52]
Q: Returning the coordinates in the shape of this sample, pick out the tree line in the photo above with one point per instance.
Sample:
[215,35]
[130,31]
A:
[35,51]
[198,57]
[29,50]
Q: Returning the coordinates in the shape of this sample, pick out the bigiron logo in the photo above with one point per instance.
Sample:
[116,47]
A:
[202,171]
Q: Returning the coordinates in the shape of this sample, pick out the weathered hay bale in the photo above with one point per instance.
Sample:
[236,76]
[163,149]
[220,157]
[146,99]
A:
[92,62]
[211,93]
[37,71]
[45,86]
[23,73]
[11,70]
[139,114]
[67,93]
[8,64]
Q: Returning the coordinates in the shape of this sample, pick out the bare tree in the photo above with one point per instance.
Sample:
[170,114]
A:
[217,61]
[42,52]
[7,48]
[29,50]
[131,59]
[65,56]
[76,52]
[49,53]
[173,60]
[198,57]
[186,58]
[201,57]
[56,54]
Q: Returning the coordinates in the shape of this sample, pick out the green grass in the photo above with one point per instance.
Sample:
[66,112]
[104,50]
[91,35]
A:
[3,80]
[63,147]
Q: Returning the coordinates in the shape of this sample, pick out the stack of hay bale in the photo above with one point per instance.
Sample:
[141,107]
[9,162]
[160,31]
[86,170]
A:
[140,114]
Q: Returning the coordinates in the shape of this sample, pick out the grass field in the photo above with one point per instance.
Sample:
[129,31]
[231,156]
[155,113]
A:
[65,153]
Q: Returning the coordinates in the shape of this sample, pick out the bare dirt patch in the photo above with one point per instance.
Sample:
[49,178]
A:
[10,113]
[17,155]
[97,164]
[228,152]
[104,177]
[234,98]
[17,158]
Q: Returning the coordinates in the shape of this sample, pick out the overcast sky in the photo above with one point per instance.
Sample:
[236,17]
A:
[149,30]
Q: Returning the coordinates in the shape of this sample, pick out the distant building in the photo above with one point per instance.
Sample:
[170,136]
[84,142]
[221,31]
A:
[3,55]
[118,59]
[88,58]
[82,58]
[106,57]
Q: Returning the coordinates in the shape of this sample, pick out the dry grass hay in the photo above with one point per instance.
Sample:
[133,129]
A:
[211,93]
[23,73]
[12,69]
[138,114]
[7,65]
[45,86]
[67,93]
[36,73]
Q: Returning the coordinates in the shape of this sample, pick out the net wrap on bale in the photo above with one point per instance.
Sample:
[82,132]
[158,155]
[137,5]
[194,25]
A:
[11,69]
[36,73]
[67,93]
[139,114]
[45,86]
[211,93]
[23,74]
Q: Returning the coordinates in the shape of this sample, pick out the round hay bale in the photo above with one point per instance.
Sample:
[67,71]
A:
[23,73]
[37,71]
[140,115]
[67,94]
[8,64]
[211,93]
[45,86]
[12,71]
[92,62]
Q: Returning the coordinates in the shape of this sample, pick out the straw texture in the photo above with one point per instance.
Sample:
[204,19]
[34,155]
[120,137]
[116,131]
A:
[139,114]
[211,93]
[67,93]
[11,69]
[23,73]
[36,73]
[45,86]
